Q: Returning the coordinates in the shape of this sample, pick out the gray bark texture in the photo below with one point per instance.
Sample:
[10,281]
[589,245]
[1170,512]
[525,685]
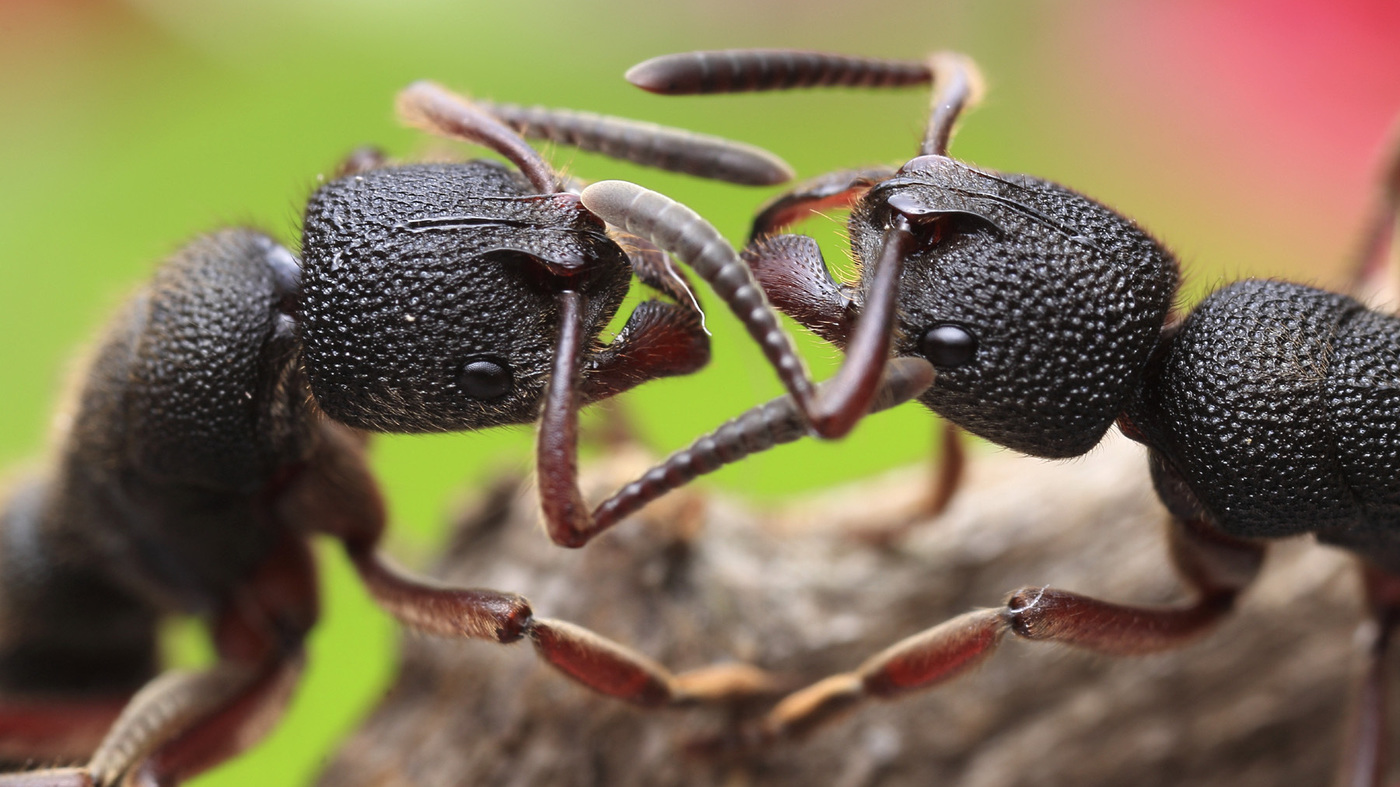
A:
[701,578]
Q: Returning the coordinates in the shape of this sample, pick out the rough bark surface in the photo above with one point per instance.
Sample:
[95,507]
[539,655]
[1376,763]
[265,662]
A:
[701,578]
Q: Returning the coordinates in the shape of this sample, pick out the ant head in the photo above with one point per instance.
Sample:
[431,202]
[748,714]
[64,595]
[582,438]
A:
[430,294]
[1037,306]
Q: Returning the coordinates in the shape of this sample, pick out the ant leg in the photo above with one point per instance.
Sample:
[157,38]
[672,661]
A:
[336,495]
[946,475]
[52,777]
[1376,271]
[834,410]
[948,469]
[185,723]
[832,191]
[55,730]
[1364,757]
[182,723]
[1216,566]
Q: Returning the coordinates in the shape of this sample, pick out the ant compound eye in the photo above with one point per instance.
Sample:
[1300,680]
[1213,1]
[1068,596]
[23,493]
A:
[484,378]
[948,346]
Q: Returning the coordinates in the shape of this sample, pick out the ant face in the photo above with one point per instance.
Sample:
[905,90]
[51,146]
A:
[430,294]
[1037,307]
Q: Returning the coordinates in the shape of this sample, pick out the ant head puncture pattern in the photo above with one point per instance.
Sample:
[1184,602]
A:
[1037,306]
[430,293]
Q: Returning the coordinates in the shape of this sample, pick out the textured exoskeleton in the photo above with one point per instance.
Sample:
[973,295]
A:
[222,421]
[1272,409]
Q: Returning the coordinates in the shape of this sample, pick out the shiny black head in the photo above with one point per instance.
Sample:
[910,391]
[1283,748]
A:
[1037,306]
[430,294]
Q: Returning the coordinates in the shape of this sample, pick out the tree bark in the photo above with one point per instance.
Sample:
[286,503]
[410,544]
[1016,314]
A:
[701,578]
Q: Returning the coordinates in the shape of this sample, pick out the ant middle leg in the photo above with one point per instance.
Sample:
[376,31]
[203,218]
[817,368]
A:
[185,722]
[336,495]
[1215,566]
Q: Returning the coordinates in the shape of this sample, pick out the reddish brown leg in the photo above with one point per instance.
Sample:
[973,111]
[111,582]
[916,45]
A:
[336,495]
[1364,756]
[182,723]
[947,468]
[56,730]
[54,777]
[1216,567]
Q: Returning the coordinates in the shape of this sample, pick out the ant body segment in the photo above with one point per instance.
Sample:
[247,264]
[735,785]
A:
[224,419]
[1271,409]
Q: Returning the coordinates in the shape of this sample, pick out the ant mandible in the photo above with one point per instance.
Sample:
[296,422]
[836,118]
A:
[1271,409]
[223,420]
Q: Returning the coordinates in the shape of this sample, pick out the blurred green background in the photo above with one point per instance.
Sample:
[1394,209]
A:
[1243,133]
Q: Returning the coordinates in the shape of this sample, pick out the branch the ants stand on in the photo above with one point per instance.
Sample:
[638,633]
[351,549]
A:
[795,590]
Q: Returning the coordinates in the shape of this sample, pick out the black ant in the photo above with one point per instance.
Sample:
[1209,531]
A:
[1271,409]
[224,419]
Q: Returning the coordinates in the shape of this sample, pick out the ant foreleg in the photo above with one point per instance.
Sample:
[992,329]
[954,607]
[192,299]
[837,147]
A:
[336,495]
[1217,568]
[948,469]
[182,723]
